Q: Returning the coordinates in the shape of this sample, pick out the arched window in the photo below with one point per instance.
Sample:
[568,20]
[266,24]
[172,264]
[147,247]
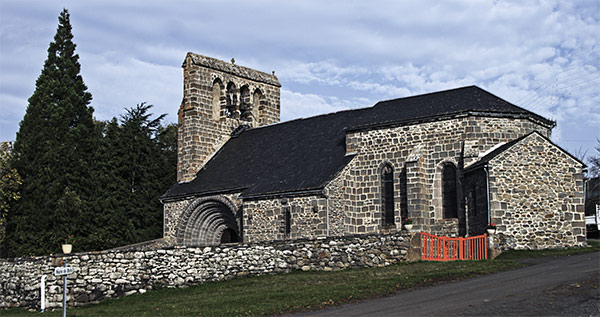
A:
[216,99]
[231,110]
[387,194]
[257,106]
[245,105]
[449,199]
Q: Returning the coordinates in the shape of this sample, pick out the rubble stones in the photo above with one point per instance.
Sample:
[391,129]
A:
[124,272]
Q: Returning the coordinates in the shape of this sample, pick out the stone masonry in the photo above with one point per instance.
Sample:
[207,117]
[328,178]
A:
[106,274]
[422,158]
[421,149]
[537,196]
[218,98]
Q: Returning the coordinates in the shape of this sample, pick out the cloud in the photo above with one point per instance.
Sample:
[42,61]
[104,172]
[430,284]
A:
[117,83]
[542,55]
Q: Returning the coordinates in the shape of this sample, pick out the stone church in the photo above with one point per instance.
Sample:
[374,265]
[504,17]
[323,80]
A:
[451,161]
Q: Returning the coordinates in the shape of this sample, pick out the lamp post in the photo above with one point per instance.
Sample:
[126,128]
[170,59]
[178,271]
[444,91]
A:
[67,250]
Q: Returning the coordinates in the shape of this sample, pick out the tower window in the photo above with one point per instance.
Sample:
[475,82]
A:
[231,107]
[216,99]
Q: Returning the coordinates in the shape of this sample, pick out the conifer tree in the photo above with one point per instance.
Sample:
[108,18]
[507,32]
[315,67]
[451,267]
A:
[54,154]
[137,164]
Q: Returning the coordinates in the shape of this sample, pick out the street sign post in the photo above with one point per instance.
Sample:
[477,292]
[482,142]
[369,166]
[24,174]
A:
[63,270]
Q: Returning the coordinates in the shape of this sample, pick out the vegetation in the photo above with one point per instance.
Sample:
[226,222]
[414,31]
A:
[53,152]
[97,181]
[594,162]
[10,186]
[293,292]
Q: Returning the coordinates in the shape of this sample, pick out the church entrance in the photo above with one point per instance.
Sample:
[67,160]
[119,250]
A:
[229,236]
[208,221]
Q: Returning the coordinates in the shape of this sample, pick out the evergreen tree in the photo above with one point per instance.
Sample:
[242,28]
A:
[54,154]
[137,165]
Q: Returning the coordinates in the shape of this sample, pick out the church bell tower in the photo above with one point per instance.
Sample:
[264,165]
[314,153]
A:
[218,98]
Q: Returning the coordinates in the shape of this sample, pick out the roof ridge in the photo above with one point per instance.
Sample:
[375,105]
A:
[310,118]
[238,70]
[428,93]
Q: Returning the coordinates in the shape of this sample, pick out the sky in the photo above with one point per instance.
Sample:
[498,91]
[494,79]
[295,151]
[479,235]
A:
[328,55]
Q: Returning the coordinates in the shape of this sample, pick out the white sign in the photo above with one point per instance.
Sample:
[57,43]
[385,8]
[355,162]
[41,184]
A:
[63,270]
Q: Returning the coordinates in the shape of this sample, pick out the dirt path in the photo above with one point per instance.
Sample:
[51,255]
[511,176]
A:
[562,286]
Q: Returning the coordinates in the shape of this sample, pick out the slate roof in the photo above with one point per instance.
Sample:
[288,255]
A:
[497,151]
[305,154]
[488,157]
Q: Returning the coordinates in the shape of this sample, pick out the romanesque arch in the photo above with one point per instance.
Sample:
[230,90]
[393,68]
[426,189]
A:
[231,101]
[442,192]
[245,104]
[208,221]
[258,106]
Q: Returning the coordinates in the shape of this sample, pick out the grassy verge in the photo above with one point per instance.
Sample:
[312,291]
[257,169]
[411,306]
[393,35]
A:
[521,254]
[277,294]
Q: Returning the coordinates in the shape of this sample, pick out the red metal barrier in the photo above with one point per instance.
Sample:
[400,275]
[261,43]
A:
[434,248]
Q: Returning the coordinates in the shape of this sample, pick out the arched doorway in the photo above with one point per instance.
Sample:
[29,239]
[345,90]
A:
[208,221]
[229,236]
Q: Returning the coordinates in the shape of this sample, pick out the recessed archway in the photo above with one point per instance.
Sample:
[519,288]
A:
[208,221]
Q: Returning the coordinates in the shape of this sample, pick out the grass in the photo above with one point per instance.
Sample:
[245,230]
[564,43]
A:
[277,294]
[298,291]
[594,246]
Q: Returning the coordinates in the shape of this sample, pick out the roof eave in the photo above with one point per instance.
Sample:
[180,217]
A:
[533,117]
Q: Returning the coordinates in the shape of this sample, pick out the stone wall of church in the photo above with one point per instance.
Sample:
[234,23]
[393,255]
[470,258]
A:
[106,274]
[171,213]
[265,219]
[537,196]
[210,87]
[310,216]
[342,202]
[421,148]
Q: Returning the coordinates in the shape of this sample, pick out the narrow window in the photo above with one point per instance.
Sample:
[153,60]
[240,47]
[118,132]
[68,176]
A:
[257,106]
[245,105]
[474,200]
[449,199]
[288,221]
[231,108]
[387,194]
[216,99]
[403,194]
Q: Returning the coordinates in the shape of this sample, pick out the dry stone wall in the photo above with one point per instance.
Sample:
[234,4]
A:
[537,196]
[107,274]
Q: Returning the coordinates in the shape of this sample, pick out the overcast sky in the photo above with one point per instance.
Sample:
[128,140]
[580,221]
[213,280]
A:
[328,55]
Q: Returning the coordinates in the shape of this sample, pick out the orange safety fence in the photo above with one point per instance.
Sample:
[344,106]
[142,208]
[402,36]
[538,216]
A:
[434,248]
